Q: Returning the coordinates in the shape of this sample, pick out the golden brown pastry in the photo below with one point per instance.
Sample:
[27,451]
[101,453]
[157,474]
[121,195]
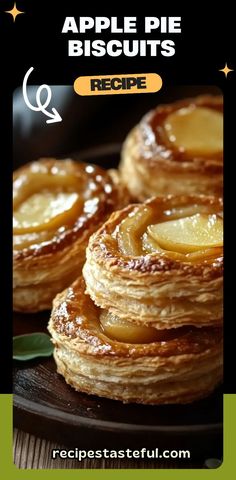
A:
[152,367]
[176,149]
[145,323]
[160,263]
[57,204]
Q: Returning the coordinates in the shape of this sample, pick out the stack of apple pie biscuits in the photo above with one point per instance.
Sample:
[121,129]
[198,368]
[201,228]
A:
[144,321]
[134,257]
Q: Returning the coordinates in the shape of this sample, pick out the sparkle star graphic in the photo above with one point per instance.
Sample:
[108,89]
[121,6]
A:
[14,12]
[226,70]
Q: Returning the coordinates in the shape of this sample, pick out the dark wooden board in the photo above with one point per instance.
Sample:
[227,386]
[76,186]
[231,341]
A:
[46,406]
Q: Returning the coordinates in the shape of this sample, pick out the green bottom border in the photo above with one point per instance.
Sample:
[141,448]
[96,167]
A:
[10,471]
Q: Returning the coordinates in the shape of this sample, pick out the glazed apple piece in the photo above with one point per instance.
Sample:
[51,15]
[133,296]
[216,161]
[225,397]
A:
[124,331]
[196,130]
[189,234]
[56,182]
[131,229]
[46,210]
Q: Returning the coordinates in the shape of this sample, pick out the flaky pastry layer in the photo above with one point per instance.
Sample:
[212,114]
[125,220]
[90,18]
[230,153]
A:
[180,370]
[155,289]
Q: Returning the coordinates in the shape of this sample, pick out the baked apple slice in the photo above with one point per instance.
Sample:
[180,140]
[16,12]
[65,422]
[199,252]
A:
[189,234]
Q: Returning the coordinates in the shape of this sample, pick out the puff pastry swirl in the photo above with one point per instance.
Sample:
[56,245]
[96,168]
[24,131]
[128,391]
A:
[57,205]
[160,264]
[176,149]
[183,365]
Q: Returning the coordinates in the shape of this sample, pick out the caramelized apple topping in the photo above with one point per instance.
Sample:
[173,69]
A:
[124,331]
[183,233]
[189,234]
[131,228]
[195,130]
[45,210]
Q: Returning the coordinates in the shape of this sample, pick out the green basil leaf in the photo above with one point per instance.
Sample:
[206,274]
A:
[33,345]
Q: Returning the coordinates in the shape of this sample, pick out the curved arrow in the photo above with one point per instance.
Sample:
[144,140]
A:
[41,107]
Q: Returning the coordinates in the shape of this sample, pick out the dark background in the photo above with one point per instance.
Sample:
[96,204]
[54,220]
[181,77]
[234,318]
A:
[35,39]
